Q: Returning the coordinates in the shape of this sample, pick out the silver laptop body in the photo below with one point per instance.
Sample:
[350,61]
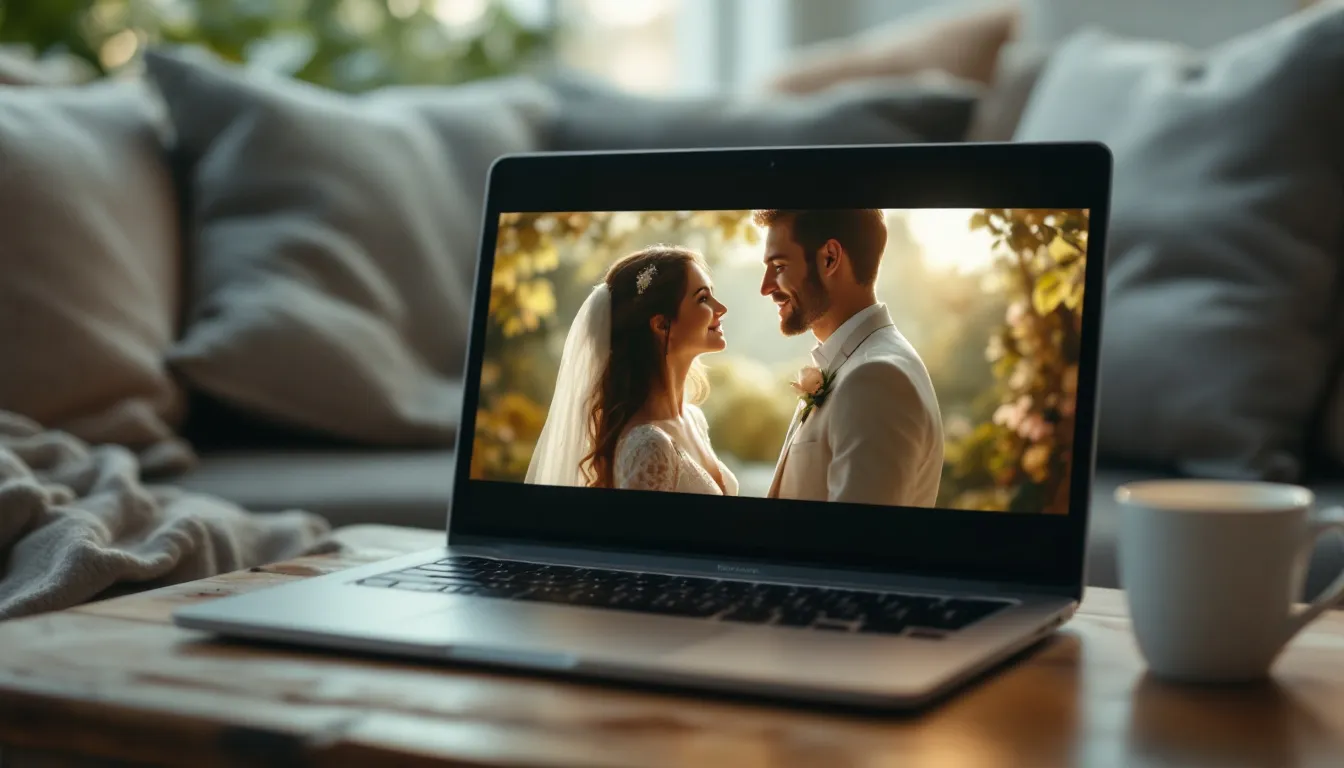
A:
[458,604]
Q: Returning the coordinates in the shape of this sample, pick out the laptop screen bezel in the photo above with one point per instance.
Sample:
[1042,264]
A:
[1028,549]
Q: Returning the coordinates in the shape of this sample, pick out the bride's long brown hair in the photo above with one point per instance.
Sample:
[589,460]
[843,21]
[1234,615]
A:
[638,357]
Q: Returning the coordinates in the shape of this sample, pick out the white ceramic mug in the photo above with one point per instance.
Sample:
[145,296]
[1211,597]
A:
[1213,571]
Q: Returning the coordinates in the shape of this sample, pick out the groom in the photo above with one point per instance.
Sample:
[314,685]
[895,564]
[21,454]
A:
[874,433]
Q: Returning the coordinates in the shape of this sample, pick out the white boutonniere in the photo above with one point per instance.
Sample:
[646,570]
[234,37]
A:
[812,386]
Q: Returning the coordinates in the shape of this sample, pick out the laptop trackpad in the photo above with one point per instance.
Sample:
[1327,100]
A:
[487,628]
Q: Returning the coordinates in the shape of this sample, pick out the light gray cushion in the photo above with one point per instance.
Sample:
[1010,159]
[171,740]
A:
[999,111]
[1224,239]
[20,66]
[89,262]
[1197,23]
[896,110]
[337,242]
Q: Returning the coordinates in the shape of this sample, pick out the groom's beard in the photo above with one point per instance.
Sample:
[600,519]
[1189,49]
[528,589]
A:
[805,307]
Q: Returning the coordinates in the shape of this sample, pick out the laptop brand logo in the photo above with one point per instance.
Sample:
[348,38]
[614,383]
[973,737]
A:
[736,569]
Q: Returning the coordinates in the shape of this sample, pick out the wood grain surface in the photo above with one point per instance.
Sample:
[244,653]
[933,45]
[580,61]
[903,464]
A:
[115,680]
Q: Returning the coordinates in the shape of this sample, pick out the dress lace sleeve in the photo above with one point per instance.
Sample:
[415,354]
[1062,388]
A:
[646,460]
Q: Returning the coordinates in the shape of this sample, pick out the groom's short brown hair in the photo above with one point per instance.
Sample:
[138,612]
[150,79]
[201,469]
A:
[862,232]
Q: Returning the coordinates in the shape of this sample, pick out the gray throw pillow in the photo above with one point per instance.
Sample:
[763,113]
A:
[336,242]
[595,116]
[89,263]
[998,112]
[19,66]
[1224,239]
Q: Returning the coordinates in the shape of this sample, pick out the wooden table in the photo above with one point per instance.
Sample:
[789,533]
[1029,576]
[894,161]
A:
[115,680]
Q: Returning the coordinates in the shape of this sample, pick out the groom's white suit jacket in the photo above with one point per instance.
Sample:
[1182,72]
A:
[877,437]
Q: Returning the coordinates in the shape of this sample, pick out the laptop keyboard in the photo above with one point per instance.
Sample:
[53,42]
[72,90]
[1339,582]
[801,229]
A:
[842,610]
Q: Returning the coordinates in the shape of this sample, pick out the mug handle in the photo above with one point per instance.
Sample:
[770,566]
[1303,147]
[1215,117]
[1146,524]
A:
[1322,522]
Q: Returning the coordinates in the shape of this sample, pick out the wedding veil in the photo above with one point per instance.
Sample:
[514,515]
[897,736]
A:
[564,437]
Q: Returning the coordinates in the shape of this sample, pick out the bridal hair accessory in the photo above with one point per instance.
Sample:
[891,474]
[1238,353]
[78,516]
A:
[645,278]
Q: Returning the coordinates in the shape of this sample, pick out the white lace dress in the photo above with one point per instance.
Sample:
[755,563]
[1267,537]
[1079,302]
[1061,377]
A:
[648,458]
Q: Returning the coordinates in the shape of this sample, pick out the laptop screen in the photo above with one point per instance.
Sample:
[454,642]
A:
[907,358]
[660,365]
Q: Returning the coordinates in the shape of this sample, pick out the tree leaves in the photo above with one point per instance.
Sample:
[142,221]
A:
[505,434]
[1020,459]
[350,45]
[1052,288]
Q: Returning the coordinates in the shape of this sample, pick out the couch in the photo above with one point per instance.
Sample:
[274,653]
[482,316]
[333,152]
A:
[263,438]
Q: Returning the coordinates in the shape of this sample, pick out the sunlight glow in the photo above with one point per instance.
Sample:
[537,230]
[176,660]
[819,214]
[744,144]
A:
[460,13]
[947,241]
[403,9]
[360,17]
[119,49]
[625,13]
[638,68]
[738,253]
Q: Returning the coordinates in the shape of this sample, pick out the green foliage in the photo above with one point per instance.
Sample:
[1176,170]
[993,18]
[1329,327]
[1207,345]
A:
[1018,458]
[348,45]
[748,411]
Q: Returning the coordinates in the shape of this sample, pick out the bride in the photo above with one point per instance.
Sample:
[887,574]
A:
[624,412]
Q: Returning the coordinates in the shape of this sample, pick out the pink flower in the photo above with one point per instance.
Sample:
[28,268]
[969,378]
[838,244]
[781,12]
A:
[1011,415]
[809,381]
[1035,428]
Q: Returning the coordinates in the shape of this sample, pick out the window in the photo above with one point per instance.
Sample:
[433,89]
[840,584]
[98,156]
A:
[674,46]
[631,43]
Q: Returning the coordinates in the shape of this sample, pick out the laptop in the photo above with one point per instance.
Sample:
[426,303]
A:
[875,531]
